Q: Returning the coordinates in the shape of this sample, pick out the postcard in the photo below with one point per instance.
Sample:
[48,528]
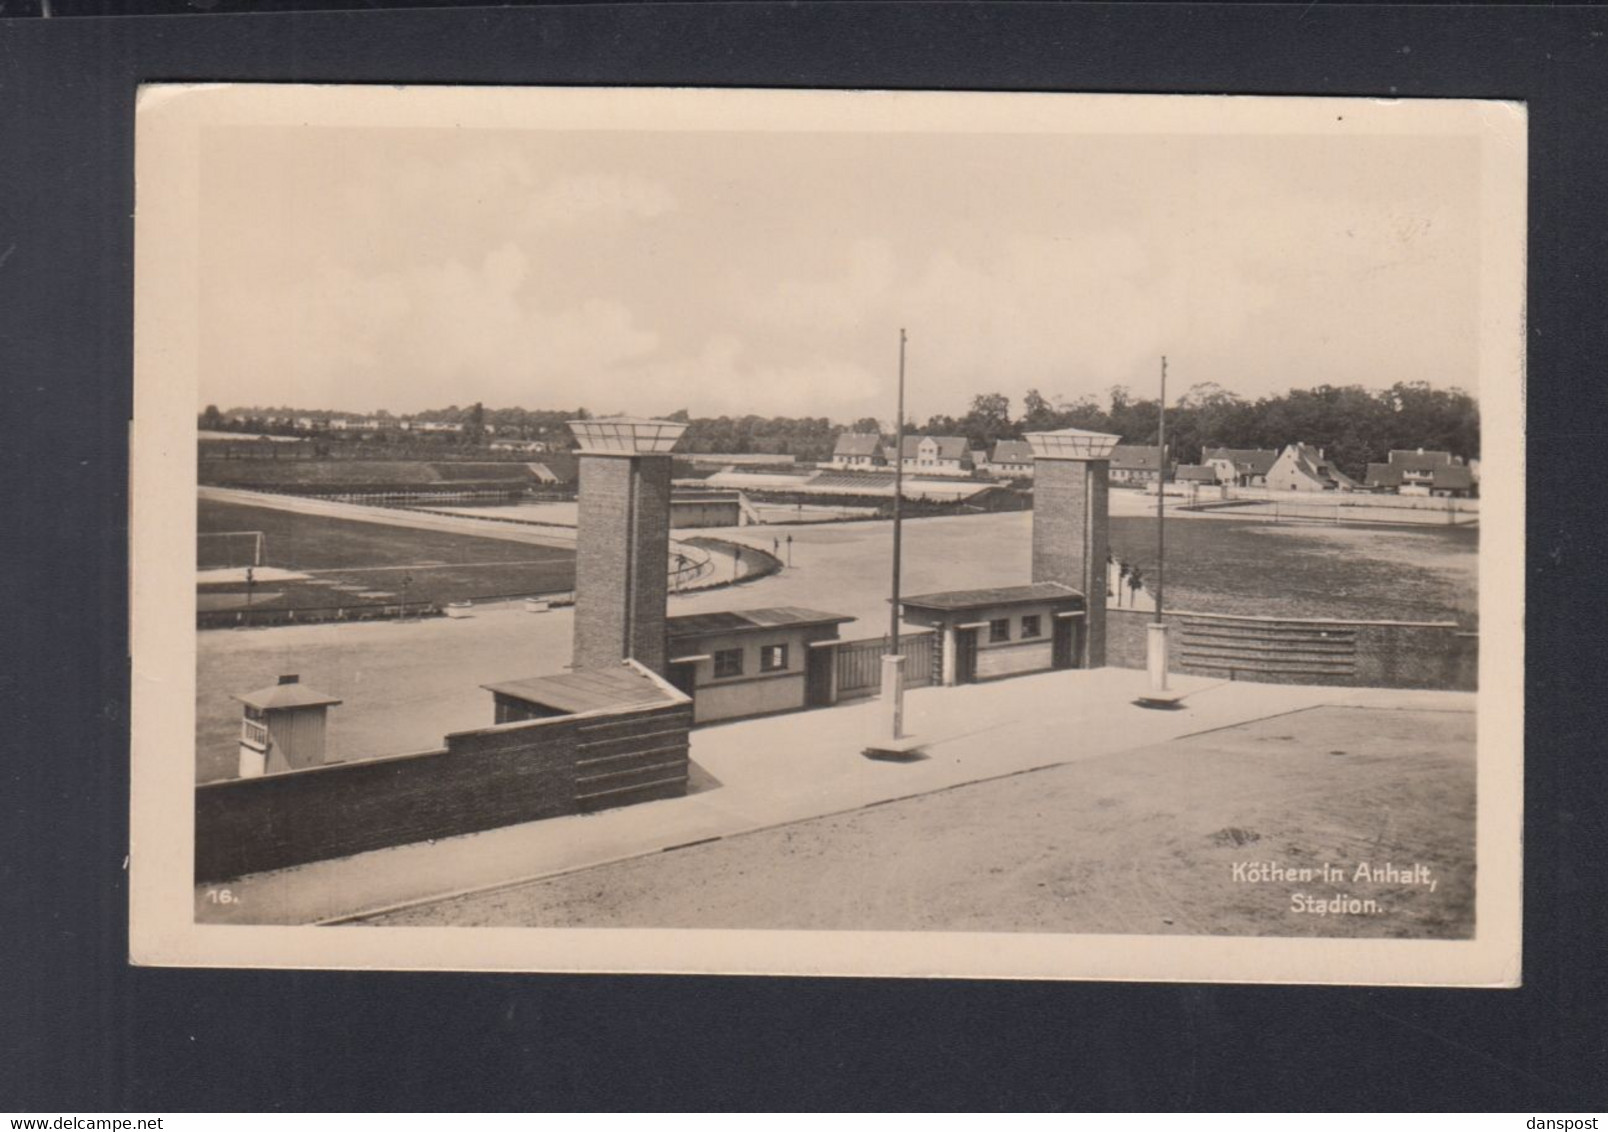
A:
[926,534]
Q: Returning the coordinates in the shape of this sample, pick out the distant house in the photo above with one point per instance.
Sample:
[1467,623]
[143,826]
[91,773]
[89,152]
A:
[1241,467]
[518,446]
[437,426]
[858,450]
[1423,473]
[1136,463]
[1194,473]
[1301,467]
[1011,458]
[937,454]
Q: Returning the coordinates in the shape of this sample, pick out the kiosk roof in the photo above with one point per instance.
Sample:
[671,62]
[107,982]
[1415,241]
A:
[1035,594]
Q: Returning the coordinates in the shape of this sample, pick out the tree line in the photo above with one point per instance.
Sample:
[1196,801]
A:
[1354,425]
[478,423]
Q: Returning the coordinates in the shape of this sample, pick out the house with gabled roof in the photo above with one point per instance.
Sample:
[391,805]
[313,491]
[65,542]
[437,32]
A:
[937,455]
[1301,467]
[1241,467]
[1137,463]
[1422,473]
[858,450]
[1011,458]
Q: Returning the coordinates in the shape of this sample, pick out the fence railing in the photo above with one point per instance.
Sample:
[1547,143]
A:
[254,734]
[690,563]
[261,617]
[859,663]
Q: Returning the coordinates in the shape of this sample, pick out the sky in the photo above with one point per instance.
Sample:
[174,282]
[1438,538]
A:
[742,272]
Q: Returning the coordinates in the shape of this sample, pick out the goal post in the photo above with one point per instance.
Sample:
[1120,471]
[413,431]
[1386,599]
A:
[220,550]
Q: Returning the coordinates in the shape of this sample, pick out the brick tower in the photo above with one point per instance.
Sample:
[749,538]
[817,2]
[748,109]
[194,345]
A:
[622,547]
[1072,522]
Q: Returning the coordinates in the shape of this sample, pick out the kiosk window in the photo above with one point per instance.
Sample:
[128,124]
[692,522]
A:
[1030,625]
[728,662]
[773,658]
[999,630]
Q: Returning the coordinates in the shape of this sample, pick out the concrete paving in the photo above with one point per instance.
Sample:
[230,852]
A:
[762,773]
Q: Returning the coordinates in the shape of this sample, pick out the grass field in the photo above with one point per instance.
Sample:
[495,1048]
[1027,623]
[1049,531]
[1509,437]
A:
[1309,570]
[352,563]
[1143,842]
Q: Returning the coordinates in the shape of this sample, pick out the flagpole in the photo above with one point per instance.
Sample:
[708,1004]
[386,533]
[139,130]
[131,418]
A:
[1161,490]
[1156,632]
[898,498]
[893,661]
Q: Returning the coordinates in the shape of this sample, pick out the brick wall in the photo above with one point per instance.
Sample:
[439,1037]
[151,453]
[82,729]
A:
[622,560]
[631,757]
[651,581]
[1068,545]
[1271,650]
[481,780]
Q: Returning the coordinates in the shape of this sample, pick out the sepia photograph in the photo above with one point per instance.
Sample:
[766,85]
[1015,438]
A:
[840,533]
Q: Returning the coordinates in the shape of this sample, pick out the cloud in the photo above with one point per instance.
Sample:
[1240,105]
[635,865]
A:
[724,377]
[1073,313]
[572,200]
[418,268]
[429,335]
[866,282]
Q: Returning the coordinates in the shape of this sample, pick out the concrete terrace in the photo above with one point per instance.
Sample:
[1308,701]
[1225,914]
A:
[764,773]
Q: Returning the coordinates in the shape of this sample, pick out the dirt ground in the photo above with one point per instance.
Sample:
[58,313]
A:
[1180,838]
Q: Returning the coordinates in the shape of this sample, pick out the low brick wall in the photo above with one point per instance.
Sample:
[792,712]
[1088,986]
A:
[1285,650]
[484,779]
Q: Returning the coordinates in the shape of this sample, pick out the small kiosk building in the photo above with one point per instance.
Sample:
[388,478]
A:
[754,661]
[1005,631]
[621,688]
[283,728]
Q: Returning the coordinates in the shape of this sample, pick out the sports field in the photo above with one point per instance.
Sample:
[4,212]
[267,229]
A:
[347,563]
[1258,568]
[406,684]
